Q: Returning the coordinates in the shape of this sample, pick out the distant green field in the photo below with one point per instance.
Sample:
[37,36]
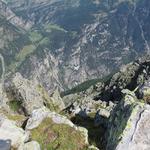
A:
[49,37]
[51,27]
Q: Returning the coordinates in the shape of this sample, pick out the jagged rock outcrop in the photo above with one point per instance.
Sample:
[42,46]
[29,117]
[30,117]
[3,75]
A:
[130,76]
[127,124]
[56,99]
[30,95]
[83,104]
[25,91]
[128,128]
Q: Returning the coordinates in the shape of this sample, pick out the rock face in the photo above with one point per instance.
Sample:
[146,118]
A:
[27,93]
[128,128]
[130,76]
[7,13]
[144,91]
[57,100]
[60,43]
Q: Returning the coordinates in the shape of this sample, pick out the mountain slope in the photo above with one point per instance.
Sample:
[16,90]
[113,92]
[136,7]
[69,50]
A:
[74,41]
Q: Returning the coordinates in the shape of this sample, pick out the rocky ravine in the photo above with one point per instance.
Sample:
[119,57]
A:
[72,41]
[120,106]
[77,122]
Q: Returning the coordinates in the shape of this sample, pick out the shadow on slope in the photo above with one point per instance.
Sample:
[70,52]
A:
[95,133]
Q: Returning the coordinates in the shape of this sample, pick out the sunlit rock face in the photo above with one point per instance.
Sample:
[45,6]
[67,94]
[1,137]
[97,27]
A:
[128,128]
[7,13]
[90,39]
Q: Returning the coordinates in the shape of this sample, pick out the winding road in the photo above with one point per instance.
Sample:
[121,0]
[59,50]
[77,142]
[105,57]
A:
[3,69]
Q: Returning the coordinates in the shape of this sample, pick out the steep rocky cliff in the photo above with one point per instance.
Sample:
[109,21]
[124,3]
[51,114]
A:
[120,107]
[48,46]
[72,41]
[29,119]
[79,121]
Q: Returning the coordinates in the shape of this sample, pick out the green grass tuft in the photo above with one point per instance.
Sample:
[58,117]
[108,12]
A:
[15,105]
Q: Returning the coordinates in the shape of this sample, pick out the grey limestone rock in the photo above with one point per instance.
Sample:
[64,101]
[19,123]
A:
[129,125]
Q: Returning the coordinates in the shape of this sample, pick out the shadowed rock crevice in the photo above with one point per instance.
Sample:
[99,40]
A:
[134,75]
[117,123]
[95,133]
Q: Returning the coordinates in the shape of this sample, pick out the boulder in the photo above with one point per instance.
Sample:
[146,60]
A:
[11,134]
[128,128]
[39,115]
[36,118]
[51,128]
[33,145]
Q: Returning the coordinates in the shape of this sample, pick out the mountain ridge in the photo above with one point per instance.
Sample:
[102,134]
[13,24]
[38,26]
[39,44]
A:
[84,50]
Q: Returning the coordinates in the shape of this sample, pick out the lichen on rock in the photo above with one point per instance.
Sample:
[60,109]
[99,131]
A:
[126,118]
[54,131]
